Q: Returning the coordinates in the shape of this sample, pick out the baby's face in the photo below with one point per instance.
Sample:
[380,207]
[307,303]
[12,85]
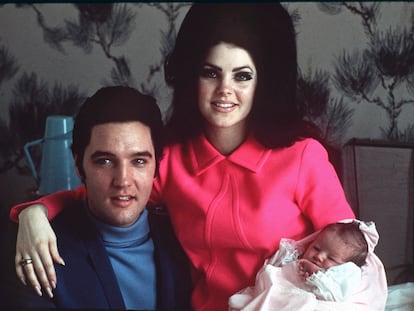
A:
[328,250]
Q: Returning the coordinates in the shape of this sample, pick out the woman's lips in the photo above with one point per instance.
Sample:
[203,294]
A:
[223,106]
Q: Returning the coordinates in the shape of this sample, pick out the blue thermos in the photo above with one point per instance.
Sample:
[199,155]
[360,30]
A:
[57,169]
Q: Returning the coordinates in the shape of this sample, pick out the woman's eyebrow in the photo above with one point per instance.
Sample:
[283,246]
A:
[242,68]
[233,70]
[213,66]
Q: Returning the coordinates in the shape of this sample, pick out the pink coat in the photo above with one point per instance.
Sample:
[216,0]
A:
[229,213]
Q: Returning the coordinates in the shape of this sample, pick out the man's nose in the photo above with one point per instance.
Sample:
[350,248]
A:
[122,176]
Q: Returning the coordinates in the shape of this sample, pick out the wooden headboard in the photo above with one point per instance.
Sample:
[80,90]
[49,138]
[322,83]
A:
[378,179]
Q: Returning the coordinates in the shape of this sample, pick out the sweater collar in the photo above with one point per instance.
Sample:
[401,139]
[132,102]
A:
[250,155]
[135,234]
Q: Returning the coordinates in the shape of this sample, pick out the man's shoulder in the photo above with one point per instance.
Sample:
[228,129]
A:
[73,220]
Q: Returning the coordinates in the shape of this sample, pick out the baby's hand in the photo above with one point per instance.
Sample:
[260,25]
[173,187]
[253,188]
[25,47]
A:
[306,268]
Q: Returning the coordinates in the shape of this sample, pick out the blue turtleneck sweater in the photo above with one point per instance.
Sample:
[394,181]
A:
[131,252]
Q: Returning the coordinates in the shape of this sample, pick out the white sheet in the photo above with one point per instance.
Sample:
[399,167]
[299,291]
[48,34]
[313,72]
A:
[400,297]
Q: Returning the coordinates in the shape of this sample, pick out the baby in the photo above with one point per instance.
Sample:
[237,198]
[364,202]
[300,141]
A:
[324,266]
[340,245]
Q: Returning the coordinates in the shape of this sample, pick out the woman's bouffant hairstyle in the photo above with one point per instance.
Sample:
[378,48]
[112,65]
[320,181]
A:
[353,237]
[266,31]
[116,104]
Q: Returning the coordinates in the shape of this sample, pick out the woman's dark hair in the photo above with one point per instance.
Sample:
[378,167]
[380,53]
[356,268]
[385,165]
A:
[116,104]
[266,31]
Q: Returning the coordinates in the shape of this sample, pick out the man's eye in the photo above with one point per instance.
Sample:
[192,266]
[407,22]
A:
[243,76]
[208,73]
[140,161]
[102,161]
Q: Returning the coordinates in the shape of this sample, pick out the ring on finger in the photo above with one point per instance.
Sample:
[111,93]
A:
[26,261]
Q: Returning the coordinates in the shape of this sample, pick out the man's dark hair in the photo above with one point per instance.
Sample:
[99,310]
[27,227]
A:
[116,104]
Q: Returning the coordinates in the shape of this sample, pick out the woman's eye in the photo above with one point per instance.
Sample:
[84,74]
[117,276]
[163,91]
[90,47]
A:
[244,76]
[208,73]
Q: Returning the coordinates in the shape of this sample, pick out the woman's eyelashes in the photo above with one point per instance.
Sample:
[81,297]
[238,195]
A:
[211,73]
[208,73]
[243,76]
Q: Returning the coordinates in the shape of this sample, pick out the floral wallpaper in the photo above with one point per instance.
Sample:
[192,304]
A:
[356,64]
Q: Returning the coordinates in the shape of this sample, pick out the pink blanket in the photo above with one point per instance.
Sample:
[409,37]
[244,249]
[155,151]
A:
[274,291]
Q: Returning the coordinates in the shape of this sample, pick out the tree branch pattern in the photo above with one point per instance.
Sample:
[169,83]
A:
[372,75]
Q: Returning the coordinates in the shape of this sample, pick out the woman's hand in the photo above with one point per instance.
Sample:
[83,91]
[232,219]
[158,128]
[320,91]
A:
[36,241]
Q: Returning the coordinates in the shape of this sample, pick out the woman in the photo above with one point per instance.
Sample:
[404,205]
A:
[241,170]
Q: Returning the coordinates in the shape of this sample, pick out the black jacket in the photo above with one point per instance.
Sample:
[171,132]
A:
[92,283]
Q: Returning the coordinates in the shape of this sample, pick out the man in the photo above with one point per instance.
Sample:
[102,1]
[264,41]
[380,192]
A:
[107,243]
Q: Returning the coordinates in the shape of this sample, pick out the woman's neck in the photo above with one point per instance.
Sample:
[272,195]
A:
[226,140]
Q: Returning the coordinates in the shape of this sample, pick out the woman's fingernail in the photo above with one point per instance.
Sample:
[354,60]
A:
[49,292]
[38,291]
